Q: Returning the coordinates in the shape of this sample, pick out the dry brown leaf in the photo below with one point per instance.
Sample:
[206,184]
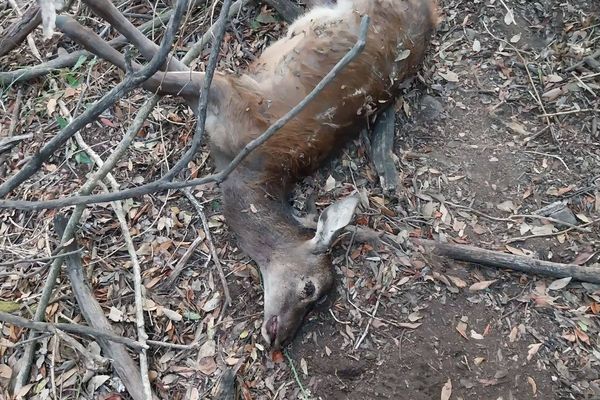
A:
[461,327]
[533,349]
[459,283]
[481,285]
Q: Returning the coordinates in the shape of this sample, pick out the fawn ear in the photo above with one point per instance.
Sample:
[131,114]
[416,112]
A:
[334,218]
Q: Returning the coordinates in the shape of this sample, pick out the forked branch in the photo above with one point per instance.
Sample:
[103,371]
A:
[131,81]
[162,185]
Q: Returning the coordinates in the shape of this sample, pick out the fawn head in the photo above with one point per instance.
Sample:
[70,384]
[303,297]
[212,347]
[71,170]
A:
[300,275]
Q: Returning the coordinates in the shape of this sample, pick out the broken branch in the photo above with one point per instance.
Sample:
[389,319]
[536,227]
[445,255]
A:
[497,259]
[161,185]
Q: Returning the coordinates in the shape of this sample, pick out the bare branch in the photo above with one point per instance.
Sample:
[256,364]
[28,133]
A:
[497,259]
[211,246]
[71,328]
[137,273]
[94,315]
[36,260]
[161,185]
[69,60]
[203,103]
[131,81]
[16,33]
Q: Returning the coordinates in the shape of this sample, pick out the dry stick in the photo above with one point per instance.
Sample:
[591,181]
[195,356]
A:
[203,102]
[17,32]
[219,177]
[181,264]
[71,328]
[211,246]
[130,82]
[499,259]
[28,354]
[30,41]
[92,311]
[36,260]
[137,271]
[69,60]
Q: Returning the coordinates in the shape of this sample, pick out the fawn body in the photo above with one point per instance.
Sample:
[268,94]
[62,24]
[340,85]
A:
[293,260]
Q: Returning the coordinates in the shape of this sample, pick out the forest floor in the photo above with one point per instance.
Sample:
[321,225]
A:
[473,149]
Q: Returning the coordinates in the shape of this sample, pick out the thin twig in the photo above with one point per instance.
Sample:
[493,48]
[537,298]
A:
[211,246]
[549,155]
[137,274]
[37,260]
[71,328]
[580,110]
[540,235]
[15,113]
[362,337]
[203,102]
[219,177]
[130,82]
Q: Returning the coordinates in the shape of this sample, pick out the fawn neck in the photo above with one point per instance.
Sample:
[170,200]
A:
[260,215]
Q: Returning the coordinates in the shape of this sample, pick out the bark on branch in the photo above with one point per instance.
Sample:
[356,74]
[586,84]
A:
[497,259]
[162,185]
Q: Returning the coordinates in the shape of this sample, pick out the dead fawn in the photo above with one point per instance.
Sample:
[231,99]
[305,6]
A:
[293,260]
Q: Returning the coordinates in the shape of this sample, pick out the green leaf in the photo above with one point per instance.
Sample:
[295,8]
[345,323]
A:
[82,158]
[191,315]
[79,62]
[9,306]
[62,122]
[72,80]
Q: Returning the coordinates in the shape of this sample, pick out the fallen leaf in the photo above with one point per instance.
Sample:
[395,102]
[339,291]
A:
[560,283]
[449,76]
[409,326]
[115,314]
[172,315]
[476,336]
[481,285]
[9,306]
[330,184]
[461,327]
[507,206]
[277,356]
[533,349]
[509,18]
[304,366]
[581,335]
[532,384]
[207,365]
[446,390]
[459,283]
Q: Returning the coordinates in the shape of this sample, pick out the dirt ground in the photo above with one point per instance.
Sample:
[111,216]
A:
[474,155]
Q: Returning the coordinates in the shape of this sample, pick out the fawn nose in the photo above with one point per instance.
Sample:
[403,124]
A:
[270,329]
